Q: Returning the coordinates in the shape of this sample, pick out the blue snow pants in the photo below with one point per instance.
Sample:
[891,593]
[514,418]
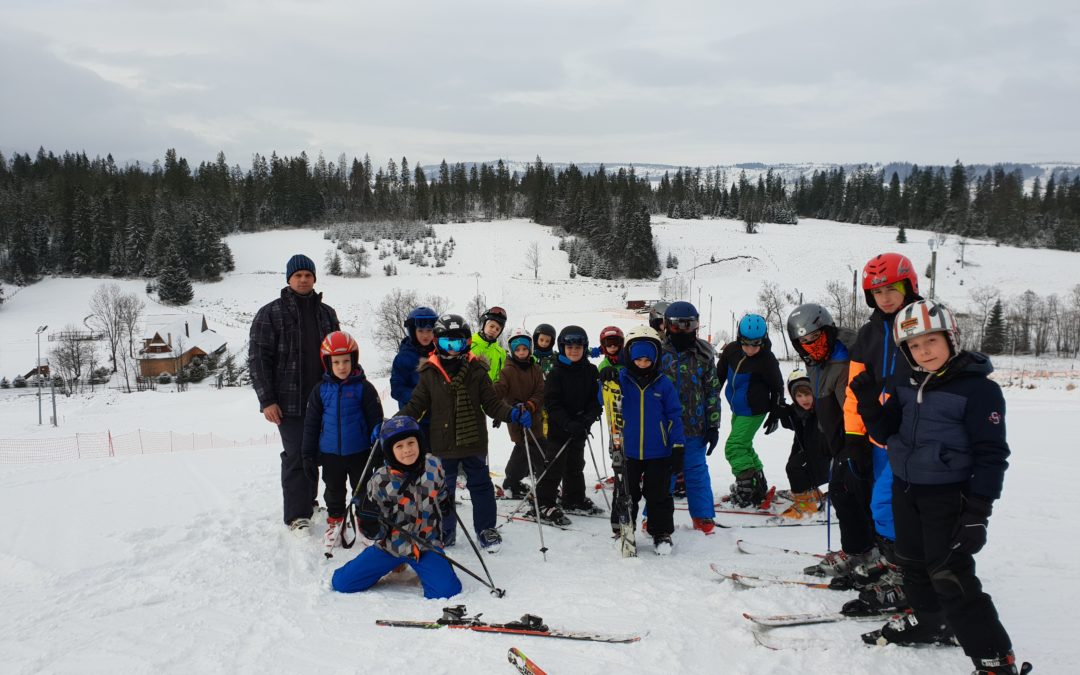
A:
[481,492]
[699,494]
[881,497]
[363,571]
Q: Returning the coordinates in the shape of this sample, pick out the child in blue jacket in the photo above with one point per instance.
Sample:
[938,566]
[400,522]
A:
[343,415]
[652,433]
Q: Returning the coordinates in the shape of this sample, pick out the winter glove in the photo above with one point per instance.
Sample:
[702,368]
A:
[786,413]
[712,438]
[856,456]
[678,457]
[495,424]
[375,433]
[865,389]
[773,420]
[970,533]
[594,352]
[609,374]
[311,469]
[519,415]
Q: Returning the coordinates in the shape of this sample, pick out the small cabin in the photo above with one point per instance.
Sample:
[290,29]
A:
[171,341]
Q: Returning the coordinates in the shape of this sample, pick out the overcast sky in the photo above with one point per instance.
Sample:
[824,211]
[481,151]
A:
[670,82]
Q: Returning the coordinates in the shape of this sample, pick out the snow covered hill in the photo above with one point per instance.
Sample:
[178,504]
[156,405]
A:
[178,562]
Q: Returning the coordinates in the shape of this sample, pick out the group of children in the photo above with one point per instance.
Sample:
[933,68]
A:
[899,422]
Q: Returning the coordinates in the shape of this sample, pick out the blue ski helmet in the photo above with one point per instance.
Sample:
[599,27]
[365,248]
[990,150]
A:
[753,327]
[397,428]
[680,310]
[422,316]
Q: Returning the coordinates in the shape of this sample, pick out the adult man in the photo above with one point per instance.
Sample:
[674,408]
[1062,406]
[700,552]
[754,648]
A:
[285,365]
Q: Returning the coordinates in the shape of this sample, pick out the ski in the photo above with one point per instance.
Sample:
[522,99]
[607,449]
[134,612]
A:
[523,663]
[776,642]
[784,620]
[526,518]
[753,549]
[612,395]
[529,624]
[752,581]
[777,521]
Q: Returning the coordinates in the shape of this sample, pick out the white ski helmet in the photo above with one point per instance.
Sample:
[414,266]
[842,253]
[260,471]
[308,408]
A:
[519,336]
[797,378]
[920,318]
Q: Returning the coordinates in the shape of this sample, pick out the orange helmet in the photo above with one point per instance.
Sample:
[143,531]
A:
[337,343]
[886,269]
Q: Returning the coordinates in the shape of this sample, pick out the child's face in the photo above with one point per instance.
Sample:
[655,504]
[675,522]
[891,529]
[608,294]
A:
[930,351]
[751,350]
[407,450]
[521,352]
[341,365]
[492,329]
[887,299]
[574,352]
[543,341]
[643,362]
[804,398]
[611,348]
[425,336]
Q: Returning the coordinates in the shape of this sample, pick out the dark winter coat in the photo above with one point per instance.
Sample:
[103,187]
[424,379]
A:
[411,500]
[809,447]
[691,371]
[754,383]
[404,373]
[828,381]
[341,416]
[572,399]
[652,416]
[946,427]
[874,351]
[546,360]
[275,351]
[433,399]
[522,385]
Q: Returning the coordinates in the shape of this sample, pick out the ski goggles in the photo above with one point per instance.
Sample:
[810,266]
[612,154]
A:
[575,340]
[449,344]
[810,338]
[685,325]
[424,322]
[756,342]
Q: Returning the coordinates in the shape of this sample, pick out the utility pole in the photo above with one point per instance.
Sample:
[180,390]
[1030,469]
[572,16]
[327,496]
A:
[40,330]
[933,244]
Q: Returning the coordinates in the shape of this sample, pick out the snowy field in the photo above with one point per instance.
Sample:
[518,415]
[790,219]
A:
[179,563]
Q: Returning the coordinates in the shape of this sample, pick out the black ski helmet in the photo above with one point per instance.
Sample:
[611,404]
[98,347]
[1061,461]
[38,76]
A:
[452,326]
[574,333]
[656,315]
[544,329]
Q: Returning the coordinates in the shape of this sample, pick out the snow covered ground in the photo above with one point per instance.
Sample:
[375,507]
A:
[178,562]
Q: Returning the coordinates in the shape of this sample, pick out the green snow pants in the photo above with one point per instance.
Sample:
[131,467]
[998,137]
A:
[739,448]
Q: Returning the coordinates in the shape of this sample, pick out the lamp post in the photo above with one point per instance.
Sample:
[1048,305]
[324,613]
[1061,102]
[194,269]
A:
[40,330]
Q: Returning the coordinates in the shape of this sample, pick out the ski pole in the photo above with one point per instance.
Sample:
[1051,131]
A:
[536,498]
[543,473]
[465,530]
[828,513]
[597,468]
[356,498]
[497,592]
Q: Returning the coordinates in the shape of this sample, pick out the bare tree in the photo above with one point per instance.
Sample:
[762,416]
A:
[476,308]
[838,301]
[358,258]
[984,298]
[773,304]
[72,357]
[129,367]
[532,258]
[130,310]
[106,316]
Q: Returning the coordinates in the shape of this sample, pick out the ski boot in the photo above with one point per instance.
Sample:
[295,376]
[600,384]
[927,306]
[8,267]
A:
[1000,665]
[680,486]
[706,525]
[516,489]
[584,507]
[907,630]
[300,526]
[863,576]
[839,563]
[804,504]
[490,540]
[551,515]
[750,489]
[877,599]
[334,527]
[662,544]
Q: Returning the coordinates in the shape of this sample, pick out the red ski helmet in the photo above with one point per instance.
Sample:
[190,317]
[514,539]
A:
[337,343]
[886,269]
[611,333]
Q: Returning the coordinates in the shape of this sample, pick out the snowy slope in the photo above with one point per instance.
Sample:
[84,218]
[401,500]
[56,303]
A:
[178,563]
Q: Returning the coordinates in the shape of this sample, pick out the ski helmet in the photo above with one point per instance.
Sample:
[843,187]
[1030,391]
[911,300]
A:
[420,317]
[395,429]
[496,314]
[573,335]
[656,315]
[886,269]
[612,335]
[681,317]
[544,329]
[452,327]
[920,318]
[807,320]
[519,337]
[636,336]
[753,329]
[335,344]
[796,379]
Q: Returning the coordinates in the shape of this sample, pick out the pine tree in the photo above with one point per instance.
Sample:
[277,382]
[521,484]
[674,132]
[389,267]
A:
[994,337]
[174,284]
[901,236]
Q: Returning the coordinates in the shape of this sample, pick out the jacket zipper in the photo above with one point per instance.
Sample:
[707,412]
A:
[339,419]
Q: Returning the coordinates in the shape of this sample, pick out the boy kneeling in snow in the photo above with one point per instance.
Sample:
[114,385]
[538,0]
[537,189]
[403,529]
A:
[406,492]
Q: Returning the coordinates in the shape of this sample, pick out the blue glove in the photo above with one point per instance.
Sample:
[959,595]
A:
[520,415]
[712,437]
[594,352]
[375,433]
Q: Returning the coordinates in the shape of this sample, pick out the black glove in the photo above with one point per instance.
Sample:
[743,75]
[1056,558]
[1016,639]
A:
[856,455]
[311,469]
[609,374]
[786,413]
[865,389]
[712,438]
[970,533]
[678,457]
[495,424]
[773,420]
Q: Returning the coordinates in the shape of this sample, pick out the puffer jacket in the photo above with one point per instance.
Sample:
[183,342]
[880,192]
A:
[754,383]
[692,372]
[946,427]
[274,358]
[411,502]
[517,384]
[571,399]
[403,373]
[433,399]
[341,415]
[829,382]
[652,416]
[491,353]
[874,351]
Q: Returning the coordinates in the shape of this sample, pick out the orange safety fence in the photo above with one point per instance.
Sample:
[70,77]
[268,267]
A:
[105,444]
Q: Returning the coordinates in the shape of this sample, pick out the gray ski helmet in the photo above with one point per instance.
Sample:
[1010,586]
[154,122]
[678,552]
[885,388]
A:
[806,319]
[656,314]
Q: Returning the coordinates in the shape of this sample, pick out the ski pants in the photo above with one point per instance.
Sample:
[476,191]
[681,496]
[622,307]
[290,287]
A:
[298,492]
[567,468]
[362,572]
[517,468]
[940,583]
[806,469]
[849,494]
[653,478]
[739,448]
[337,472]
[699,494]
[881,497]
[481,492]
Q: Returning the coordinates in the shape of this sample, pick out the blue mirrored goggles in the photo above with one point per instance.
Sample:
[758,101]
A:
[575,340]
[448,344]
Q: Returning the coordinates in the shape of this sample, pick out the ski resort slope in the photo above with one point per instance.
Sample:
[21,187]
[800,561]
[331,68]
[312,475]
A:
[179,562]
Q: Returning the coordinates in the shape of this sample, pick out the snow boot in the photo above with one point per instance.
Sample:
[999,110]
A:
[662,544]
[1000,665]
[839,563]
[490,540]
[750,489]
[908,630]
[706,525]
